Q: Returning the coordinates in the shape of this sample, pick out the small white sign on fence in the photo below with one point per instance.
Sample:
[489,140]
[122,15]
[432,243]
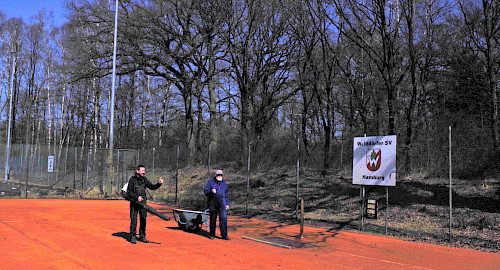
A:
[374,161]
[50,167]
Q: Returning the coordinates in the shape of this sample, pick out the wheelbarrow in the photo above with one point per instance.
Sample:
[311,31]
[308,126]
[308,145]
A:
[191,220]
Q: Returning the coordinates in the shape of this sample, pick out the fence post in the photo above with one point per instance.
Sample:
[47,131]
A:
[177,173]
[298,170]
[361,210]
[48,176]
[301,218]
[361,214]
[450,189]
[137,160]
[27,169]
[154,151]
[66,160]
[118,183]
[76,168]
[88,160]
[248,178]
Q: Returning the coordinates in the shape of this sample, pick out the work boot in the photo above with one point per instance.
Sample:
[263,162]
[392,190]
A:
[211,237]
[133,240]
[143,239]
[225,237]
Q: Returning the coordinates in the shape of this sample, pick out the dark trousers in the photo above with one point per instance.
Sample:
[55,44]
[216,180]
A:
[222,213]
[134,209]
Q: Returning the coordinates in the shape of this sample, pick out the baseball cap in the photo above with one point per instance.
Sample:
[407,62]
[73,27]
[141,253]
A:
[219,172]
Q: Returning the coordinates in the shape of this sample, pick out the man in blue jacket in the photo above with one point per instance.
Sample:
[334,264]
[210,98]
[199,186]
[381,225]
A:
[218,203]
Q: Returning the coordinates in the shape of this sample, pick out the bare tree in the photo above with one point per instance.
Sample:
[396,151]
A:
[482,23]
[317,71]
[261,56]
[13,37]
[374,26]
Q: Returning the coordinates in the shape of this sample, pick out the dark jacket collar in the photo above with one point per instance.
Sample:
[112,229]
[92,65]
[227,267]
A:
[140,177]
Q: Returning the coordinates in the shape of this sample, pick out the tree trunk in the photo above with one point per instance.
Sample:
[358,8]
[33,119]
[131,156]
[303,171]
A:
[212,125]
[489,30]
[199,122]
[246,123]
[413,75]
[143,115]
[189,122]
[163,115]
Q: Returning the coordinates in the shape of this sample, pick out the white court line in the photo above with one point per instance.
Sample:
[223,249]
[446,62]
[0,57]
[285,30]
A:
[385,261]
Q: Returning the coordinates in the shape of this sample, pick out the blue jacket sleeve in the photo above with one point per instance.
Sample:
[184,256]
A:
[226,195]
[208,190]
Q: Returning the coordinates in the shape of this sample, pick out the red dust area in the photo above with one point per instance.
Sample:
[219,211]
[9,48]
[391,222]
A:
[86,234]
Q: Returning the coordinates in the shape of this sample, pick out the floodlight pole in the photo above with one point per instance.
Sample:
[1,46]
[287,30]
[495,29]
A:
[112,105]
[111,121]
[11,91]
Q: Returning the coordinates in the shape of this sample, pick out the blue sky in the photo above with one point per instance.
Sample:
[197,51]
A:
[29,8]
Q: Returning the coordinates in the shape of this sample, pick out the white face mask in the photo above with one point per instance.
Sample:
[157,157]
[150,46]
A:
[219,177]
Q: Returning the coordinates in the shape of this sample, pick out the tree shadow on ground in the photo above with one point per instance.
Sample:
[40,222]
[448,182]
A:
[405,195]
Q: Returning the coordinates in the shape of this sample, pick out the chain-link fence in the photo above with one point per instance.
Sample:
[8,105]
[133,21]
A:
[269,180]
[43,170]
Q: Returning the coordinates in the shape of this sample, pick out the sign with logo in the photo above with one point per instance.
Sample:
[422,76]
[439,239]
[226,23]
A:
[374,161]
[50,167]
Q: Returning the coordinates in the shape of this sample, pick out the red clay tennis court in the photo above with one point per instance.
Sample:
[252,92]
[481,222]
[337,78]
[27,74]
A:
[92,234]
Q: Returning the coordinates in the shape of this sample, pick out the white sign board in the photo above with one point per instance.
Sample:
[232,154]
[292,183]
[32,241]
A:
[50,167]
[374,161]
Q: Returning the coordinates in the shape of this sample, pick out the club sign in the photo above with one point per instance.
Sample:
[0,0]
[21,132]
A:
[50,164]
[374,161]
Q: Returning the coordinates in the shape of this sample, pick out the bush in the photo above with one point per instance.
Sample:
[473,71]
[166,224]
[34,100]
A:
[484,223]
[257,183]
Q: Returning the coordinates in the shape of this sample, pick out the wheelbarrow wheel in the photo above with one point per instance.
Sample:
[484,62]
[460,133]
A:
[192,226]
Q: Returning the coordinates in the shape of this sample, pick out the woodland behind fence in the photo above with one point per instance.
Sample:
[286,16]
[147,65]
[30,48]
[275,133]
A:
[225,75]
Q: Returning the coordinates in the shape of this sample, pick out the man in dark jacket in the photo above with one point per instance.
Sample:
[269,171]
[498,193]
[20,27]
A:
[137,192]
[218,203]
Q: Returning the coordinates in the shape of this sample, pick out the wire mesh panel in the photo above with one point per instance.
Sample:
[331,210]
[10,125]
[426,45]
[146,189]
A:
[75,169]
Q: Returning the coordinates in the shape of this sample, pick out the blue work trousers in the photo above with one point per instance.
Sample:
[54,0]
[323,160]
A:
[222,213]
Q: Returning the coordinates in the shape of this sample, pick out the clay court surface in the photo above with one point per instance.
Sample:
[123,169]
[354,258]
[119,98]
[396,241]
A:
[87,234]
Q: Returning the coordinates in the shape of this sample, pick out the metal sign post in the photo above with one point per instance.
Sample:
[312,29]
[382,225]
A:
[386,207]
